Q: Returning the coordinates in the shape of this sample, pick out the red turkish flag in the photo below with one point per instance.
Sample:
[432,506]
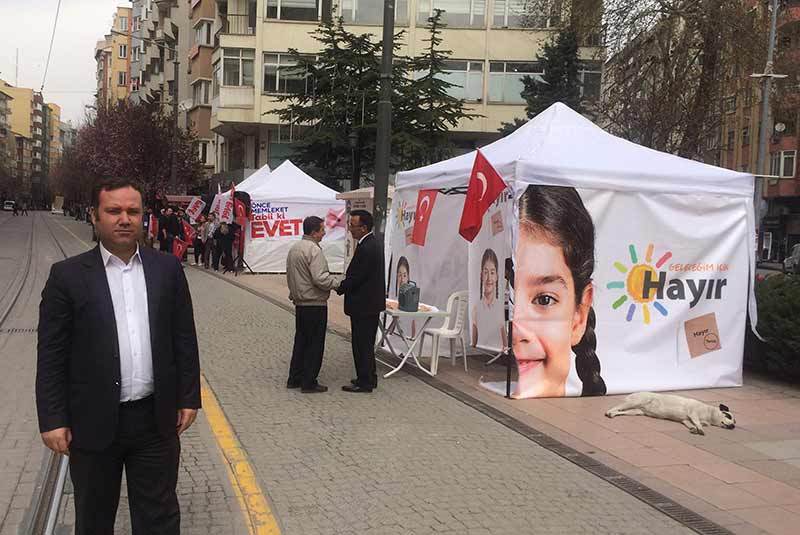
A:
[153,226]
[188,231]
[485,186]
[179,247]
[422,216]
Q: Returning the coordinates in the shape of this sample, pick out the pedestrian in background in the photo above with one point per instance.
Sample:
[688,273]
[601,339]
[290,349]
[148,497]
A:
[364,299]
[221,236]
[197,243]
[208,237]
[310,283]
[118,378]
[24,208]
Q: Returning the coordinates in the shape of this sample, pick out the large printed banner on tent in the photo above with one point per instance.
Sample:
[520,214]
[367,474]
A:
[487,278]
[275,226]
[605,306]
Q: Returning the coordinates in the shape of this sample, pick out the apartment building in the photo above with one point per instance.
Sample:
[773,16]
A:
[55,148]
[161,31]
[21,121]
[112,55]
[741,127]
[202,17]
[493,46]
[6,136]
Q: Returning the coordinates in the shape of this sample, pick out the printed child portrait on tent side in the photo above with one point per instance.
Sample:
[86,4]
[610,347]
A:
[553,295]
[487,314]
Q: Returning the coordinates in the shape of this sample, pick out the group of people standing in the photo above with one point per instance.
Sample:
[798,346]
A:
[310,283]
[212,240]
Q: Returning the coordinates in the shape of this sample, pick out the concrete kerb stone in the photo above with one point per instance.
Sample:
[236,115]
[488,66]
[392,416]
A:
[658,501]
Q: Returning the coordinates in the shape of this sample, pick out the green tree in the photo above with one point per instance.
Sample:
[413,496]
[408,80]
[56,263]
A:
[560,82]
[430,111]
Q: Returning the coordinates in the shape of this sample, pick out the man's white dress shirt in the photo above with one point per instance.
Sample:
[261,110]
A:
[129,295]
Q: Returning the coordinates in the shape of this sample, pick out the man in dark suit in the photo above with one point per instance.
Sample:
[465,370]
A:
[118,375]
[364,299]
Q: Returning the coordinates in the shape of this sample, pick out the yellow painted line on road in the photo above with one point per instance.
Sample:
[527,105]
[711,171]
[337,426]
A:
[74,236]
[258,513]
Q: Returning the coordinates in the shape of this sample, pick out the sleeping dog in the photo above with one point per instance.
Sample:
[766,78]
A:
[690,412]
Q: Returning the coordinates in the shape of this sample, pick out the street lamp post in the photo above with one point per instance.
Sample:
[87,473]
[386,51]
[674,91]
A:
[766,86]
[384,134]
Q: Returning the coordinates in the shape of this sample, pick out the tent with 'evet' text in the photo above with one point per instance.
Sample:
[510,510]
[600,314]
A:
[626,269]
[279,204]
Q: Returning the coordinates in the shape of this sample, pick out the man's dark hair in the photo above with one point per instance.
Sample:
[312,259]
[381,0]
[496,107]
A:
[111,184]
[311,224]
[364,217]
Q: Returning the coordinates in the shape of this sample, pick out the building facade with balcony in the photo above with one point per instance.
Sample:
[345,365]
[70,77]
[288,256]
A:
[493,46]
[113,57]
[202,17]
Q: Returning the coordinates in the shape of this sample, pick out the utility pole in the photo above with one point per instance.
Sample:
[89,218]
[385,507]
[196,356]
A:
[766,87]
[384,134]
[174,179]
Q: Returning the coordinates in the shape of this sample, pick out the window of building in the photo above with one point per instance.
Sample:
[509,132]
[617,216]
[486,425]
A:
[729,104]
[201,90]
[371,12]
[216,79]
[457,13]
[137,24]
[526,14]
[201,151]
[745,136]
[123,51]
[135,54]
[122,78]
[731,139]
[782,163]
[237,66]
[590,77]
[123,23]
[505,80]
[281,75]
[747,97]
[466,77]
[202,33]
[294,9]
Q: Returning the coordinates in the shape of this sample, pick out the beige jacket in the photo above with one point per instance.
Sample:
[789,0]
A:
[310,282]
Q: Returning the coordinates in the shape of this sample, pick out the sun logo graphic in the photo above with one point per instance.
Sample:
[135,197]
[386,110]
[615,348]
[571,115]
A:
[634,284]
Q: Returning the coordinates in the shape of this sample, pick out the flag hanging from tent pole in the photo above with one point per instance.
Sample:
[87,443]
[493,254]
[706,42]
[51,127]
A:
[485,186]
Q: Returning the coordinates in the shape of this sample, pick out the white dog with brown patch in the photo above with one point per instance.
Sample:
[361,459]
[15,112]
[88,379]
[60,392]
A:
[690,412]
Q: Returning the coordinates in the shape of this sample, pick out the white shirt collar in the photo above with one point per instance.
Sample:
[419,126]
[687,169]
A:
[106,255]
[364,237]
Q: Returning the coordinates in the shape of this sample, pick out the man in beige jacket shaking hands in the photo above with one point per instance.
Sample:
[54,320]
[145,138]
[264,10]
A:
[310,285]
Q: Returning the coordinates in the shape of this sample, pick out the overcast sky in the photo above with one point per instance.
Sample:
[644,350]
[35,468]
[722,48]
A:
[28,24]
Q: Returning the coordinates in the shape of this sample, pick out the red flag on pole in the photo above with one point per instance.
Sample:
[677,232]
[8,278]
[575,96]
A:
[179,247]
[485,186]
[188,231]
[153,226]
[422,216]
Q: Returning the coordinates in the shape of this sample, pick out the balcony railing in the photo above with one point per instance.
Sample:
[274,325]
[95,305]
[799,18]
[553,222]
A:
[239,25]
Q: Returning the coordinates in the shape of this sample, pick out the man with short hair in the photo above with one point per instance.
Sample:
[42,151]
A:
[118,374]
[310,284]
[364,299]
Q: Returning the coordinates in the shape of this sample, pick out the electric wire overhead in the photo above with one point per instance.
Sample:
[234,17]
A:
[50,50]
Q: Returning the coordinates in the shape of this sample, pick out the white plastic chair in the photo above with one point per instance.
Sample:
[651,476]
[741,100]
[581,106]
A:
[457,309]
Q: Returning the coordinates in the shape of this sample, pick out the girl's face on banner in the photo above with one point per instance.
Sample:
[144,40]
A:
[547,322]
[489,278]
[402,276]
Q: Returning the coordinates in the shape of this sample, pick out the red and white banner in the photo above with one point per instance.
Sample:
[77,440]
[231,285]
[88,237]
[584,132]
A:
[195,208]
[188,231]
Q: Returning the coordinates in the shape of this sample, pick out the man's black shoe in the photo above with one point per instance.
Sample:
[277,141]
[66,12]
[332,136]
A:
[292,385]
[355,382]
[316,389]
[357,389]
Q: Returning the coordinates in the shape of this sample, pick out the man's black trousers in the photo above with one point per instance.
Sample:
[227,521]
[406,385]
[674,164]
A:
[364,329]
[151,469]
[310,325]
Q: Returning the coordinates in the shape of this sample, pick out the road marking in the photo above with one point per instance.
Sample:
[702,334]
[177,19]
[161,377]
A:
[258,513]
[74,236]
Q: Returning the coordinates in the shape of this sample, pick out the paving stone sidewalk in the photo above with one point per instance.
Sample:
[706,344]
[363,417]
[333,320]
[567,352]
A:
[404,459]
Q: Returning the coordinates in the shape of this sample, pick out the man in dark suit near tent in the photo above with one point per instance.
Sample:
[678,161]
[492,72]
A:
[364,299]
[118,375]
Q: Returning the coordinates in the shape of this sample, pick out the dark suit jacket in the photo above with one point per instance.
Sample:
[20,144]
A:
[363,286]
[78,369]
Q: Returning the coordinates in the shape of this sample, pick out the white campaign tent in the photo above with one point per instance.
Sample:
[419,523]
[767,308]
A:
[279,203]
[254,180]
[688,225]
